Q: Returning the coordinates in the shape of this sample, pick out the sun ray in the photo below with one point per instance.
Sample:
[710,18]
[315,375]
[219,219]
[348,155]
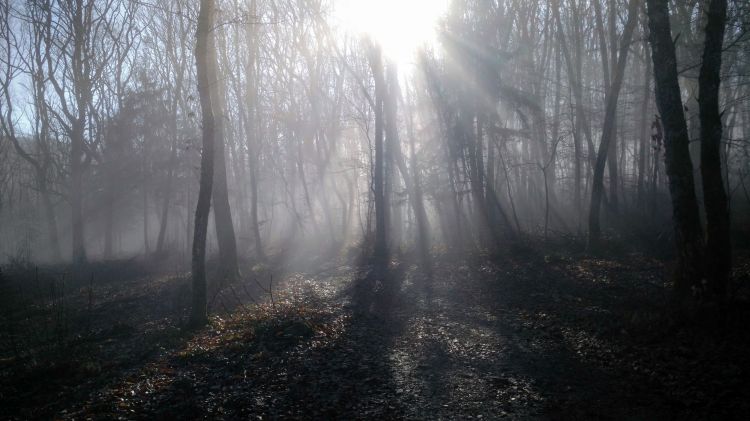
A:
[401,27]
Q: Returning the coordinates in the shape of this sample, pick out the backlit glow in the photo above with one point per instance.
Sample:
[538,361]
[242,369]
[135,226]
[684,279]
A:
[401,27]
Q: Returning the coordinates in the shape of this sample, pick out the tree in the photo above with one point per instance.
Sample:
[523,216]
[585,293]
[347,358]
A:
[687,229]
[379,176]
[222,212]
[40,157]
[204,53]
[608,128]
[82,27]
[718,243]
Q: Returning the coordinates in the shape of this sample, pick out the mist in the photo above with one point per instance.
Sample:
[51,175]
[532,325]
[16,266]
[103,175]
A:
[527,203]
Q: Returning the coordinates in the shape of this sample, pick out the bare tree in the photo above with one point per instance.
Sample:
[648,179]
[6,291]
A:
[608,129]
[222,212]
[687,228]
[379,176]
[204,59]
[718,243]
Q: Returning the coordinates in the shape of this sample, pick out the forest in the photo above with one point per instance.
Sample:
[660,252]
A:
[374,209]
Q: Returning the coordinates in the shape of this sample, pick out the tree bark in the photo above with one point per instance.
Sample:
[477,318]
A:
[76,190]
[644,144]
[687,228]
[229,268]
[203,45]
[718,244]
[381,205]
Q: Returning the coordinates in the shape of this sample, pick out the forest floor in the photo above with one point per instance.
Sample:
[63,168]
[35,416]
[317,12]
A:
[528,334]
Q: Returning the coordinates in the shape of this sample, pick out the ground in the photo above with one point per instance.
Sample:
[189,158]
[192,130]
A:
[524,334]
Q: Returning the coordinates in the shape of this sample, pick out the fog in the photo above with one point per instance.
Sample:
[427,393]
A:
[288,134]
[484,104]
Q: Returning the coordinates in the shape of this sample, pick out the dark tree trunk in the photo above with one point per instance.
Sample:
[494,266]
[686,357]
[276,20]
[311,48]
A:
[222,211]
[203,45]
[392,143]
[718,245]
[687,228]
[644,144]
[109,220]
[381,205]
[76,190]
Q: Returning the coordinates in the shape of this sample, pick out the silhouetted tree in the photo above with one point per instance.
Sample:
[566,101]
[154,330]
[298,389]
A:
[687,228]
[718,244]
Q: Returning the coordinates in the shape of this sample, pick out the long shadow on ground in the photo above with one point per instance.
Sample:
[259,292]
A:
[532,336]
[354,376]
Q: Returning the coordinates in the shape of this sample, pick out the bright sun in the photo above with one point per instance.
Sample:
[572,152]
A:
[401,27]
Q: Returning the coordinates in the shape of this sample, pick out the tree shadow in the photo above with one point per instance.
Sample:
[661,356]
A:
[561,336]
[342,370]
[353,377]
[477,351]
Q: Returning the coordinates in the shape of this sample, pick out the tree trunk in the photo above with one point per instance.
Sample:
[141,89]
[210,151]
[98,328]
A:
[575,74]
[109,219]
[146,247]
[644,144]
[381,245]
[718,244]
[612,163]
[203,45]
[252,128]
[687,228]
[229,268]
[76,191]
[164,220]
[423,227]
[51,218]
[608,127]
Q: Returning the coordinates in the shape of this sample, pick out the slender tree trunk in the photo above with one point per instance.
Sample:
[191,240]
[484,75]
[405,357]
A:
[164,220]
[144,197]
[203,45]
[612,162]
[109,220]
[76,190]
[423,227]
[687,228]
[718,243]
[229,268]
[644,144]
[51,218]
[381,245]
[252,125]
[608,126]
[575,74]
[146,247]
[612,169]
[390,110]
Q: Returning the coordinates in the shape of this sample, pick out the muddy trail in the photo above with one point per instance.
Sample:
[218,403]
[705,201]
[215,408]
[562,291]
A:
[521,336]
